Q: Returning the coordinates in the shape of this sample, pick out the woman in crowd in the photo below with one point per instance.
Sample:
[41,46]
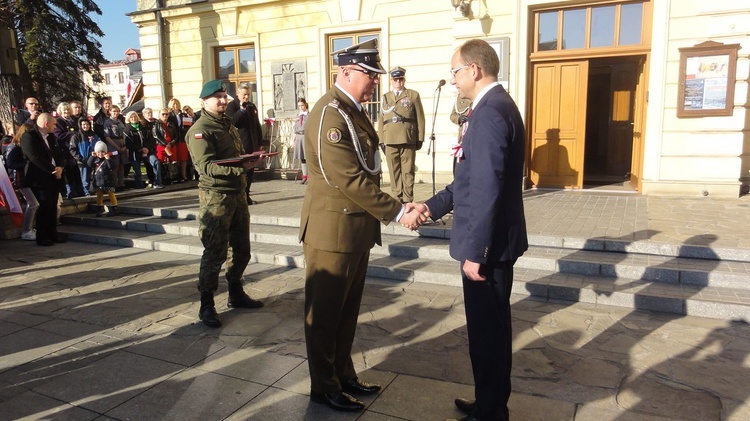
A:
[81,147]
[65,129]
[182,122]
[147,118]
[299,138]
[164,134]
[16,163]
[114,132]
[137,142]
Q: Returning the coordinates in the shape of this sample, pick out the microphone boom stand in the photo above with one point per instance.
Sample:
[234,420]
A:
[431,146]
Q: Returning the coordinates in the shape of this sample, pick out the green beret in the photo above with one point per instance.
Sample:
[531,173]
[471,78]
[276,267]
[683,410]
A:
[211,88]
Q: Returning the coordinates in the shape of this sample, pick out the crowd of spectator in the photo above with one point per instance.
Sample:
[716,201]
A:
[65,142]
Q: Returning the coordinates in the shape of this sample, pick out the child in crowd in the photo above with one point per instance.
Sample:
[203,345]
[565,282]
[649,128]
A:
[81,147]
[103,178]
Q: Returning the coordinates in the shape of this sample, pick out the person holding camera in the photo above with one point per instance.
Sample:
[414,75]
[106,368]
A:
[29,114]
[244,116]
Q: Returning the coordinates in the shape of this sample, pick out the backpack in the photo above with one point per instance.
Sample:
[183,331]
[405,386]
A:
[15,162]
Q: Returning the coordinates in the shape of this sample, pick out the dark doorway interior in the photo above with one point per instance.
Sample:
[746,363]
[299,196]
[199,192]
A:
[609,121]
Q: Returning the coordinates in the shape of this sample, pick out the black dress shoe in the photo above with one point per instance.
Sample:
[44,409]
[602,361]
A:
[209,317]
[243,301]
[356,386]
[61,238]
[45,242]
[338,401]
[465,405]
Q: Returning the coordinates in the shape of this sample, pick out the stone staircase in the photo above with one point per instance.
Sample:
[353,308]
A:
[678,279]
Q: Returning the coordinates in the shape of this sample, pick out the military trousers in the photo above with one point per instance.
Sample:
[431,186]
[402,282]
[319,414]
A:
[334,283]
[401,169]
[224,230]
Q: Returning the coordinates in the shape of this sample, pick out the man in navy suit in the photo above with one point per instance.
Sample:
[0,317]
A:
[489,228]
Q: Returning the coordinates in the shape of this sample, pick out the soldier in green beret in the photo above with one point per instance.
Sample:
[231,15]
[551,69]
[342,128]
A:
[223,219]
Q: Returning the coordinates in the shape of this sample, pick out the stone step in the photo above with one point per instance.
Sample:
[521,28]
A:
[653,268]
[698,300]
[188,209]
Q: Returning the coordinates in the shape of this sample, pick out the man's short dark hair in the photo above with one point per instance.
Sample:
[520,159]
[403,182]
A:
[482,54]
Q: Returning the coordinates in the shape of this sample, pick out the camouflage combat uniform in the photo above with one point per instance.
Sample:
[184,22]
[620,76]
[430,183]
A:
[223,219]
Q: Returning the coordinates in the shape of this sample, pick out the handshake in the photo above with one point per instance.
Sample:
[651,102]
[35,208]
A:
[414,215]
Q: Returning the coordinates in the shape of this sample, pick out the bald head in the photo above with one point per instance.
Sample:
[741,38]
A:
[45,123]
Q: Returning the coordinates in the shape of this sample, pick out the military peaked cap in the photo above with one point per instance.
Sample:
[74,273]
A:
[364,54]
[397,72]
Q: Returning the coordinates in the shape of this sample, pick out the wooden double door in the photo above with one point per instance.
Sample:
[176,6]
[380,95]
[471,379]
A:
[587,122]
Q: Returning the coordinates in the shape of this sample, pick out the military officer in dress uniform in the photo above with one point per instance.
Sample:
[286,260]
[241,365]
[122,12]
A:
[459,117]
[340,223]
[401,130]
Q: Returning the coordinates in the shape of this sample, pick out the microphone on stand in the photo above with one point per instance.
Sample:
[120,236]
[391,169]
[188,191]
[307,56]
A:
[432,136]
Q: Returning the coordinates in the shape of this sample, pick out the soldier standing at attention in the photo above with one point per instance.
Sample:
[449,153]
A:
[223,219]
[341,217]
[401,129]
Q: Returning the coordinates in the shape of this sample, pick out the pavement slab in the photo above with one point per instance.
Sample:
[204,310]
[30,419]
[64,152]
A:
[90,331]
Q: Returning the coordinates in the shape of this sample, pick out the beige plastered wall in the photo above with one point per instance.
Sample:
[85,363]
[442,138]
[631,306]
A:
[419,35]
[704,155]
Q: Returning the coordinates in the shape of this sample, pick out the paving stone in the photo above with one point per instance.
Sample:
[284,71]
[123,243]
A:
[189,395]
[109,382]
[250,364]
[34,406]
[652,396]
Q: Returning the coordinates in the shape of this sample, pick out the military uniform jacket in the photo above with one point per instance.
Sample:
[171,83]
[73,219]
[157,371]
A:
[401,119]
[344,216]
[211,138]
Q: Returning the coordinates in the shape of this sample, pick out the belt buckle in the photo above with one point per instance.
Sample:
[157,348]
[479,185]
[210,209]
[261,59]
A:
[394,119]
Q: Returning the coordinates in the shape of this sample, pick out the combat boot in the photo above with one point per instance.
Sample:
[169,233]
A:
[207,313]
[239,299]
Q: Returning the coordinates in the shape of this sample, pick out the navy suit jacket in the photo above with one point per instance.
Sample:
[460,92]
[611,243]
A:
[486,194]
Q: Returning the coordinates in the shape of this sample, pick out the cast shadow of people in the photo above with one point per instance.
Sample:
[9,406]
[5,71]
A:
[551,163]
[616,353]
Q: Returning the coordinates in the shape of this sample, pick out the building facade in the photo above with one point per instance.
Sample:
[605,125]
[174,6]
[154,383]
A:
[650,95]
[120,79]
